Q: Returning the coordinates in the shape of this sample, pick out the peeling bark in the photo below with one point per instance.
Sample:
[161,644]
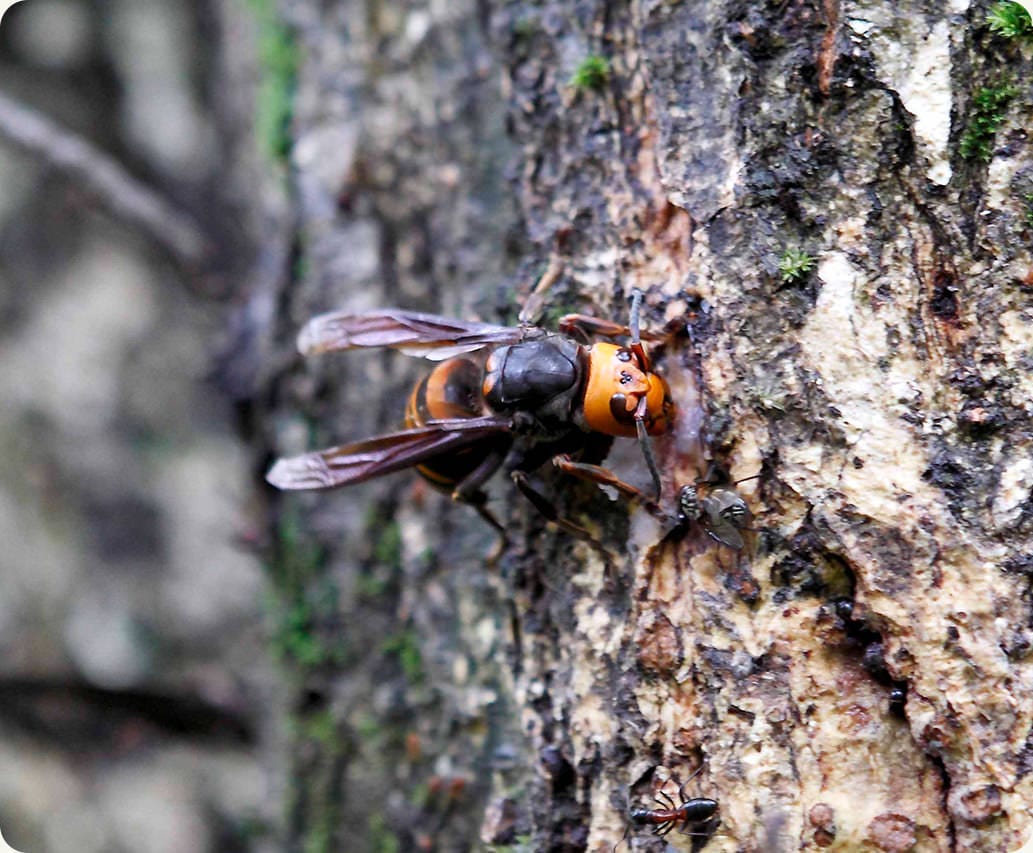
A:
[883,398]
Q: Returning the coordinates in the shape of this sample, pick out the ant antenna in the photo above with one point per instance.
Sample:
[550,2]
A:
[693,775]
[624,837]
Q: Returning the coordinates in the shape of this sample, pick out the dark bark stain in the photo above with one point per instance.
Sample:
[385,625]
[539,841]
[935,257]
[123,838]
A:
[1024,762]
[659,647]
[560,816]
[827,52]
[807,570]
[953,476]
[862,645]
[944,300]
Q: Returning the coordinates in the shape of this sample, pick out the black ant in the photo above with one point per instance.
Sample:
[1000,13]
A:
[692,811]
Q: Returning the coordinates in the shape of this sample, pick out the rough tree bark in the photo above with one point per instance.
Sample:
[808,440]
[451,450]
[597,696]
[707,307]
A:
[443,157]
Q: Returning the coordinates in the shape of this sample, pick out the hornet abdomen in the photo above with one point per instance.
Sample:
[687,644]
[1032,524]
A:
[451,390]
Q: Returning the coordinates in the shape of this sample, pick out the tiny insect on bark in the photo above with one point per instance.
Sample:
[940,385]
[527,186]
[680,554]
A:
[510,398]
[689,813]
[714,505]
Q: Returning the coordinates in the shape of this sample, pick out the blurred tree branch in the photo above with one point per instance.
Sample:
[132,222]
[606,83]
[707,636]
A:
[123,195]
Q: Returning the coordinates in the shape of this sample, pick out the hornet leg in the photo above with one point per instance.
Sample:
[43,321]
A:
[606,477]
[548,510]
[469,492]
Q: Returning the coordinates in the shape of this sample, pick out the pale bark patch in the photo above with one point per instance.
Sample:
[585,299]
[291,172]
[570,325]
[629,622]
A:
[915,61]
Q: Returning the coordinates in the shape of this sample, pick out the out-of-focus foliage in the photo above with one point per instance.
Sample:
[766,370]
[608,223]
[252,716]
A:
[129,613]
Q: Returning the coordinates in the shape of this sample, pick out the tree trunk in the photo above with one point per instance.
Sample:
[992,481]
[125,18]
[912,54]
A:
[835,220]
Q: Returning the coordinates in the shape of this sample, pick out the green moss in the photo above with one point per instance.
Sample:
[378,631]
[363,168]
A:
[368,728]
[419,796]
[371,585]
[379,573]
[989,109]
[320,749]
[381,838]
[305,633]
[278,56]
[303,603]
[1010,21]
[403,646]
[795,265]
[296,558]
[1028,199]
[321,727]
[319,838]
[295,640]
[388,547]
[592,73]
[562,301]
[301,265]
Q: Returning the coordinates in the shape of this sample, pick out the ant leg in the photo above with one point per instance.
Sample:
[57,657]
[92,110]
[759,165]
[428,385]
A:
[548,510]
[606,477]
[666,802]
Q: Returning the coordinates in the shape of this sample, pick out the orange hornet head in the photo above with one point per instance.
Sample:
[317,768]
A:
[617,382]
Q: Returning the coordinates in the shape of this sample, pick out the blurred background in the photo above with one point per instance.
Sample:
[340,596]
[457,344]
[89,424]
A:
[134,683]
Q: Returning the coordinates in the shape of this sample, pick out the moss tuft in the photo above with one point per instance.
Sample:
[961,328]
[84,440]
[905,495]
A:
[989,109]
[278,57]
[302,602]
[1010,21]
[592,73]
[404,647]
[388,548]
[795,265]
[381,838]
